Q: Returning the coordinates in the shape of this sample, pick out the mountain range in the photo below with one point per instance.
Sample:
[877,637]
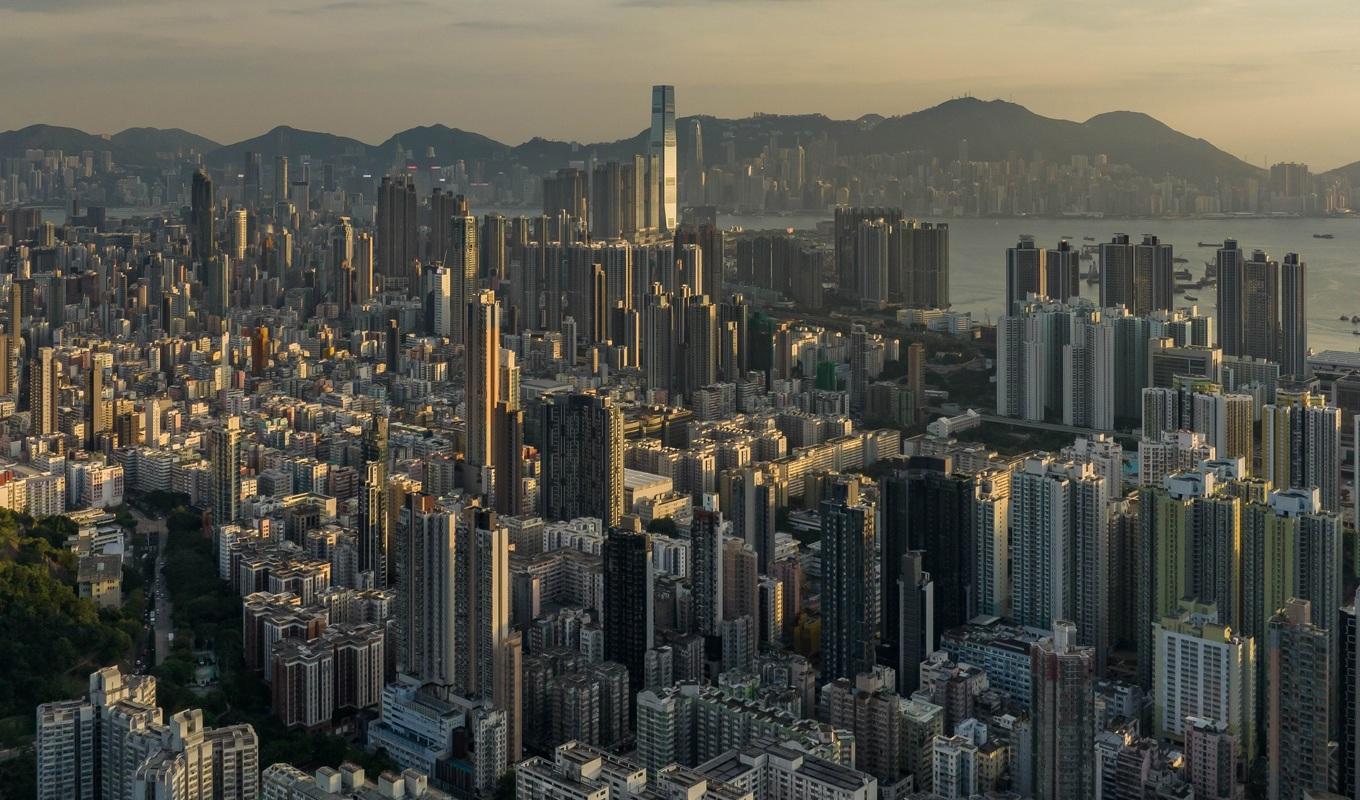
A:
[994,129]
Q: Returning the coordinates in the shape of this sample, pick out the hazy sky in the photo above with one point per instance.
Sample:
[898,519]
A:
[1264,79]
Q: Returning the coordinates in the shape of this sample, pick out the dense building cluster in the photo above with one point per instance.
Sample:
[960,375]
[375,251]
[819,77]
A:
[597,500]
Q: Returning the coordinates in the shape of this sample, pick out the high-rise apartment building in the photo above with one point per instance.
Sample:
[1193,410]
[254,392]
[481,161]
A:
[1299,705]
[482,350]
[1062,708]
[397,239]
[847,552]
[582,469]
[225,453]
[628,617]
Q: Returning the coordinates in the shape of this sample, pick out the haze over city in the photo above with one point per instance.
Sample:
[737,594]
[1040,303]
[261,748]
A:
[693,400]
[1265,80]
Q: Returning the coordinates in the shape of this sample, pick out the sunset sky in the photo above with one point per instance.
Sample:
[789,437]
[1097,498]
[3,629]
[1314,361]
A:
[1264,79]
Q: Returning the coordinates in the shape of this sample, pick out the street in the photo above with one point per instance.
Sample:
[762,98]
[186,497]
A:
[159,598]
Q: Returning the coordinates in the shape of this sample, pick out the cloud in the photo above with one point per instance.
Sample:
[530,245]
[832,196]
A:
[62,6]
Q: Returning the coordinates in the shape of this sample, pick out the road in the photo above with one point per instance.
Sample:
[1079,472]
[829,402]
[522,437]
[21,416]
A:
[156,526]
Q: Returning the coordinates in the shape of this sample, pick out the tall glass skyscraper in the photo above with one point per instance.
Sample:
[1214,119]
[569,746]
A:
[662,144]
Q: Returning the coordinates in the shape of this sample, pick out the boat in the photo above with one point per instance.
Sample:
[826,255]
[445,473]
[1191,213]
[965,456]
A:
[1344,318]
[1324,236]
[1214,245]
[1191,298]
[1182,274]
[1088,238]
[1180,260]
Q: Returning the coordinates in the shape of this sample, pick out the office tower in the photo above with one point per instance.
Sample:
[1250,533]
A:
[915,619]
[706,568]
[925,507]
[1062,708]
[1060,546]
[1293,356]
[397,225]
[1260,308]
[847,553]
[373,532]
[281,182]
[1211,759]
[626,559]
[99,414]
[342,248]
[662,144]
[202,211]
[1230,297]
[582,457]
[461,262]
[1062,272]
[483,349]
[225,443]
[1025,273]
[1202,669]
[428,587]
[1301,444]
[1299,704]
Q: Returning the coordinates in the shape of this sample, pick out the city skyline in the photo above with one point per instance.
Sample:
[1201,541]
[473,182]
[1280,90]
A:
[1202,83]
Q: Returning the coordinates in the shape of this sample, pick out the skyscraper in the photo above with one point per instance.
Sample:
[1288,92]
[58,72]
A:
[1062,706]
[1293,317]
[662,144]
[1299,704]
[428,588]
[915,619]
[924,507]
[706,547]
[1062,272]
[847,551]
[487,597]
[582,470]
[99,410]
[1231,294]
[373,532]
[628,618]
[225,441]
[1301,444]
[483,350]
[202,210]
[461,261]
[1025,273]
[1260,308]
[280,179]
[397,239]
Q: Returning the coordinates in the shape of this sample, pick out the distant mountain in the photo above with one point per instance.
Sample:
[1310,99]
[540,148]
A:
[49,137]
[1351,171]
[294,143]
[994,130]
[150,141]
[445,142]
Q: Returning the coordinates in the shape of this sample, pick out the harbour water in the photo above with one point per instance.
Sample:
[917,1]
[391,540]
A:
[977,258]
